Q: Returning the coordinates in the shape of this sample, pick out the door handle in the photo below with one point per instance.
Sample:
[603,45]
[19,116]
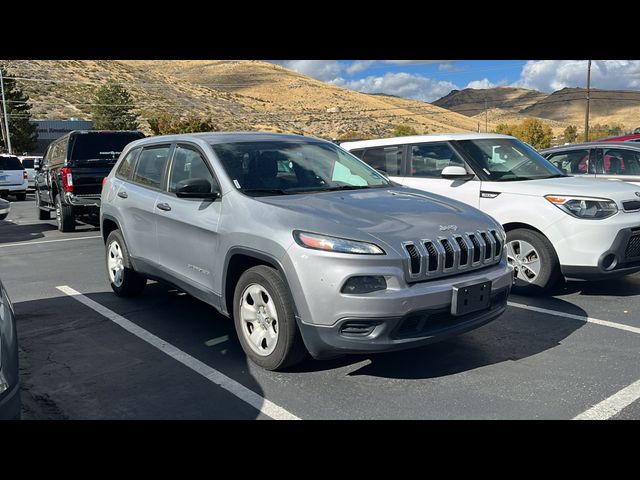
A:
[123,195]
[164,206]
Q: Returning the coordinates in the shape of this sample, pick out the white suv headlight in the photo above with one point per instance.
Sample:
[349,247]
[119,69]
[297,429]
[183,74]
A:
[584,207]
[335,244]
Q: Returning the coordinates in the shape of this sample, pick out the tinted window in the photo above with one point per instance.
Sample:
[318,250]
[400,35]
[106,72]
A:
[508,160]
[100,146]
[187,164]
[428,160]
[27,162]
[281,167]
[619,161]
[357,153]
[574,162]
[10,163]
[150,167]
[125,169]
[385,159]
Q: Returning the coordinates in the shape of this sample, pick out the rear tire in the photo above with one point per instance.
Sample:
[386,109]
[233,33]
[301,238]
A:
[42,214]
[21,197]
[535,262]
[64,216]
[272,339]
[124,280]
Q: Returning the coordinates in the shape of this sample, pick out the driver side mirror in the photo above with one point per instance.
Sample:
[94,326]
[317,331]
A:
[456,173]
[197,188]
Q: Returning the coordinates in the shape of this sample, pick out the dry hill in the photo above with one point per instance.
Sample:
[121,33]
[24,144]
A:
[236,95]
[471,101]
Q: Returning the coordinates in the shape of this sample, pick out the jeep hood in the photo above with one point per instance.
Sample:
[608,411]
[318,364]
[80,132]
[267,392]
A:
[391,215]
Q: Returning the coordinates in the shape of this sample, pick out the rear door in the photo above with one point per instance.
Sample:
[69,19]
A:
[187,229]
[424,168]
[619,164]
[136,199]
[581,161]
[388,160]
[11,172]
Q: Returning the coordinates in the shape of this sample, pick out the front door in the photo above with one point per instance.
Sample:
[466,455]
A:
[424,167]
[619,164]
[188,228]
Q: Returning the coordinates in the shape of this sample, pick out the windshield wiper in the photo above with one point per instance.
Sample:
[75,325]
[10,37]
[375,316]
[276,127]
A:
[278,191]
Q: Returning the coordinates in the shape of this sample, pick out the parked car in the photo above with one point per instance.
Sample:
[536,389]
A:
[9,381]
[557,225]
[302,244]
[622,138]
[13,177]
[70,175]
[605,160]
[29,165]
[5,207]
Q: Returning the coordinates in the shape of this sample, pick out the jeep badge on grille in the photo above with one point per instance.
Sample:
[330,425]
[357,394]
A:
[445,228]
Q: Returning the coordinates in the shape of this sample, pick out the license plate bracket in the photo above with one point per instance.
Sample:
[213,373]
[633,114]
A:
[470,297]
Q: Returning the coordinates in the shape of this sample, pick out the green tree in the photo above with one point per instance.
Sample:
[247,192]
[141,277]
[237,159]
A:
[504,129]
[165,124]
[570,134]
[403,131]
[22,132]
[113,109]
[536,133]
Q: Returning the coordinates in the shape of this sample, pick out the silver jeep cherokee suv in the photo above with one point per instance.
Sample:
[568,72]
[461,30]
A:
[306,247]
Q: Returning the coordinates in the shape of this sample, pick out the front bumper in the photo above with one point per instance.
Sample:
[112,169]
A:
[4,211]
[384,334]
[10,404]
[621,258]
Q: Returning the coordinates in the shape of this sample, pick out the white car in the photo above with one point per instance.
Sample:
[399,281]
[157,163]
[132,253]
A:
[5,208]
[13,177]
[556,225]
[29,165]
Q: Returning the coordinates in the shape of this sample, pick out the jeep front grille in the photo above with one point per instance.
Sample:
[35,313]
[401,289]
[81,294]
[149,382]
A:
[451,254]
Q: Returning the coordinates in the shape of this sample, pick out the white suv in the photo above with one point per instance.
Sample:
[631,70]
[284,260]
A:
[556,224]
[13,177]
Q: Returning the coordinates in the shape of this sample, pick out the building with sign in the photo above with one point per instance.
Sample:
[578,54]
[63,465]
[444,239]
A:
[49,130]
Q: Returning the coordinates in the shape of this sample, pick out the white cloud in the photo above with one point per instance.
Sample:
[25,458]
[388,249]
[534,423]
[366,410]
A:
[325,70]
[402,85]
[551,75]
[359,66]
[415,62]
[481,84]
[446,67]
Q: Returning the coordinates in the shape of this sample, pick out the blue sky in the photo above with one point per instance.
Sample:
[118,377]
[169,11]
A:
[429,80]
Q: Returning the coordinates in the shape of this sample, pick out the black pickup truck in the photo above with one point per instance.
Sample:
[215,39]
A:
[69,177]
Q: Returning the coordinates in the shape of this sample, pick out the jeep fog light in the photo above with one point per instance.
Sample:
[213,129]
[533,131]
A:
[365,284]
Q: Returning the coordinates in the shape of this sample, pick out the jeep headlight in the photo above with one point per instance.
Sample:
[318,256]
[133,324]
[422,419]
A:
[335,244]
[584,207]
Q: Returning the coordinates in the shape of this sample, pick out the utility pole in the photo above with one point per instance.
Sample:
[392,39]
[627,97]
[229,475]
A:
[4,113]
[586,115]
[486,116]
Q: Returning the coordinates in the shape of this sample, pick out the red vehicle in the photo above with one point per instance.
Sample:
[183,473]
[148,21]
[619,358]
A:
[622,138]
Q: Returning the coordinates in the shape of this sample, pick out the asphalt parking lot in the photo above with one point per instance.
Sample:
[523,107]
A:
[167,355]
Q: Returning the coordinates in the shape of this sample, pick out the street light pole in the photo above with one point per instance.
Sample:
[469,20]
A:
[586,115]
[4,113]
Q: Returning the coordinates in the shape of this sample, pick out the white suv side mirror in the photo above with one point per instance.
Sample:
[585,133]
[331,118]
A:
[456,173]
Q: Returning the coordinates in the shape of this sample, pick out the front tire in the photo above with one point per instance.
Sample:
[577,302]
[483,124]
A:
[264,317]
[535,262]
[64,216]
[124,280]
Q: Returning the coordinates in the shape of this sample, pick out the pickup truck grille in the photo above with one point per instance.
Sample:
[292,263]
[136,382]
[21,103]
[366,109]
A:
[451,254]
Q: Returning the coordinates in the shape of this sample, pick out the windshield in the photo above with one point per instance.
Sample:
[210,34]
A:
[281,167]
[101,146]
[508,159]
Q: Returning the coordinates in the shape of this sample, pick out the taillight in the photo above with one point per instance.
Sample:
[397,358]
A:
[25,175]
[104,180]
[67,179]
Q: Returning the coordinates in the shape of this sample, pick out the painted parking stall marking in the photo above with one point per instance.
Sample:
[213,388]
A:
[26,243]
[612,405]
[243,393]
[604,323]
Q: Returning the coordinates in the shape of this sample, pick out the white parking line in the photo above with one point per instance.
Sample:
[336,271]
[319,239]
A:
[22,244]
[243,393]
[604,323]
[612,405]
